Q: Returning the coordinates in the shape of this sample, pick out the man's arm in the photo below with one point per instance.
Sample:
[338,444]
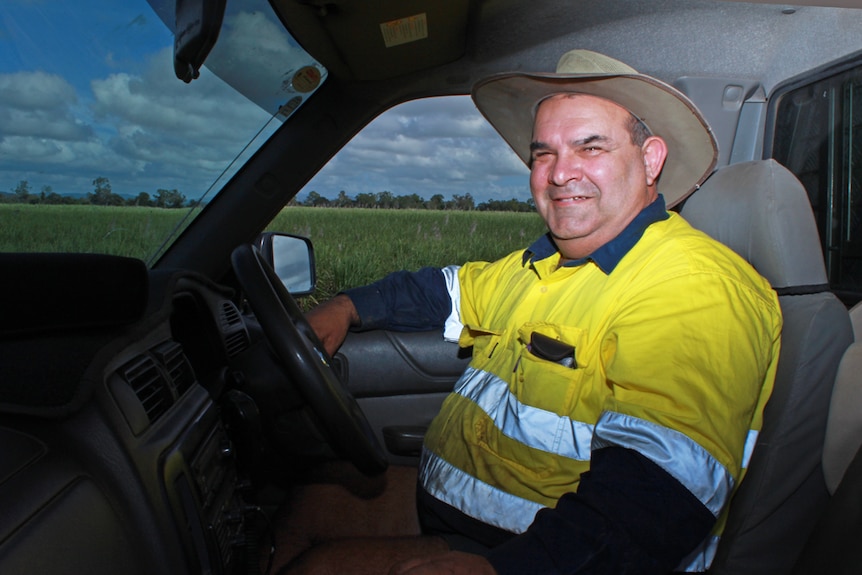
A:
[628,516]
[331,321]
[401,301]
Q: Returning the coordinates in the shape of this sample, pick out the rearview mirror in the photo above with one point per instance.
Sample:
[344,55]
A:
[292,258]
[197,26]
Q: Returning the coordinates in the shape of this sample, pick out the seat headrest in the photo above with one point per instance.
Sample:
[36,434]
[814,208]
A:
[762,212]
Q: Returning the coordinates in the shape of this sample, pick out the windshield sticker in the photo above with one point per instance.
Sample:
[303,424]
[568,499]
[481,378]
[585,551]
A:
[404,30]
[287,109]
[306,79]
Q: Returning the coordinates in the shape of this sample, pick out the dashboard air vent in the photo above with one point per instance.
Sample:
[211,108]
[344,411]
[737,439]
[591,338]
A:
[233,330]
[148,383]
[170,355]
[230,315]
[235,342]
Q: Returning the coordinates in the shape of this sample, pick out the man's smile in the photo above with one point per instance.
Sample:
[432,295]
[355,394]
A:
[567,200]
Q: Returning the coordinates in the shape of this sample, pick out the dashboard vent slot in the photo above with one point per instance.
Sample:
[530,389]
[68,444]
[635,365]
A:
[235,337]
[236,342]
[148,383]
[230,315]
[170,355]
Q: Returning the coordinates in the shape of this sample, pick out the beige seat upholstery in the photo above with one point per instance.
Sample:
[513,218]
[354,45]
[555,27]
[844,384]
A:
[834,544]
[761,211]
[856,320]
[844,427]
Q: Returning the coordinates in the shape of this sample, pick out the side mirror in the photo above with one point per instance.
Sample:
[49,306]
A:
[292,258]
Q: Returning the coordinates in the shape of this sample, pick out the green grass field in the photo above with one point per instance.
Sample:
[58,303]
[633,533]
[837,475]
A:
[125,231]
[356,246]
[352,246]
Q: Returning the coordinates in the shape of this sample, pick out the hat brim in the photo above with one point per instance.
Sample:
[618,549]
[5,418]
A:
[508,102]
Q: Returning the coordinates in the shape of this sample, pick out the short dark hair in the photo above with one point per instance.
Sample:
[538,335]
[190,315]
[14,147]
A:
[638,130]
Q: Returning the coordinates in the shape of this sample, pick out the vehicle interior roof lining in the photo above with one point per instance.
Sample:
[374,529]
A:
[642,32]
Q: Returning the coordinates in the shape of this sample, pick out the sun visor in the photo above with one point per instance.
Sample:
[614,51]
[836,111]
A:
[380,40]
[51,293]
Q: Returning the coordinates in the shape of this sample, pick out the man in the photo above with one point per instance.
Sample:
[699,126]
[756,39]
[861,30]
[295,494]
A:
[620,364]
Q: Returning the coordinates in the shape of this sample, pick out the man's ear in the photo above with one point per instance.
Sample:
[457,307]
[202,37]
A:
[654,153]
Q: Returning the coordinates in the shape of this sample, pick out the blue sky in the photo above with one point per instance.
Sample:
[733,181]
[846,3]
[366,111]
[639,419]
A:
[87,90]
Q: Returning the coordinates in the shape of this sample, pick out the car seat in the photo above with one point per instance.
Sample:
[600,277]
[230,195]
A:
[856,320]
[762,211]
[834,544]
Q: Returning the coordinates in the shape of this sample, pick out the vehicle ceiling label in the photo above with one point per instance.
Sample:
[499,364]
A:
[404,30]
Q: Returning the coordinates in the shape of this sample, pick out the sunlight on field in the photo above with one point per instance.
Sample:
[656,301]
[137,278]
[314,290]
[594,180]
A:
[352,246]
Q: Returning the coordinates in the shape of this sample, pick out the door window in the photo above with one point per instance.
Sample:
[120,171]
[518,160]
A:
[818,136]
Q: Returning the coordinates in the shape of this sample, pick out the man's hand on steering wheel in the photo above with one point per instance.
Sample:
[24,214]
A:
[331,321]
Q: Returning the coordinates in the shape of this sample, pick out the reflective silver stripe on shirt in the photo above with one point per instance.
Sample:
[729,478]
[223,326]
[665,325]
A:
[532,426]
[699,560]
[473,497]
[671,450]
[453,326]
[750,442]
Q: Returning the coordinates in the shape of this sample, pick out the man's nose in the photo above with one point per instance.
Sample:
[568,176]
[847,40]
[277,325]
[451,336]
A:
[567,167]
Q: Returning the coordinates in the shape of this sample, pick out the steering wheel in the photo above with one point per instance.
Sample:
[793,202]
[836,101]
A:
[297,346]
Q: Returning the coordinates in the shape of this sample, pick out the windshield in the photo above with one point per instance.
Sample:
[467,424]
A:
[102,148]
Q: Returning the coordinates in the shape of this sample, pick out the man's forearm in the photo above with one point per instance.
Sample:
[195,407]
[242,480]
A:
[628,516]
[403,301]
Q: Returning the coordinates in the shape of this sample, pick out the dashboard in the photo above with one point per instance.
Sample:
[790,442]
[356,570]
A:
[117,409]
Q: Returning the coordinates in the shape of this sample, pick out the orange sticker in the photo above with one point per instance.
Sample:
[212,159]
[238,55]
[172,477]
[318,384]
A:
[306,79]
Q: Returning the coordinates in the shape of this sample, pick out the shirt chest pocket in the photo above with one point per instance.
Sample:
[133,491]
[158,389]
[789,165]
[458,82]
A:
[551,366]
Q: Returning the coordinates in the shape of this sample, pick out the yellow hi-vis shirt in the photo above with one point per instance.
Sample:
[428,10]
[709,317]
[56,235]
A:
[674,356]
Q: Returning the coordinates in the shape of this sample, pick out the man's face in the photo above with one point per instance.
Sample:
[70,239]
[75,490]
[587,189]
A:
[587,177]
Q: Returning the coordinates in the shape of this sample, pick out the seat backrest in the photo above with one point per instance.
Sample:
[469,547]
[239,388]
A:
[834,544]
[856,320]
[761,211]
[844,426]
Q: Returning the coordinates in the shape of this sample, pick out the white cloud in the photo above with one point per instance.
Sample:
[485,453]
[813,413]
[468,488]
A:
[437,145]
[142,133]
[159,103]
[39,105]
[149,130]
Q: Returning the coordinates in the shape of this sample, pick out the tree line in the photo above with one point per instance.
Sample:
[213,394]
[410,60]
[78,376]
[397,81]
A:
[102,195]
[389,201]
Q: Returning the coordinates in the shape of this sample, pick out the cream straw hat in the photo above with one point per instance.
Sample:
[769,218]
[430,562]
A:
[509,102]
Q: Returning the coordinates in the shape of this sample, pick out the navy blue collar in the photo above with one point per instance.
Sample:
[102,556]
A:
[609,255]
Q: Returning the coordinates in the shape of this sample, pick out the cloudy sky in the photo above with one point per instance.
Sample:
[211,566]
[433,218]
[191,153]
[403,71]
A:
[87,90]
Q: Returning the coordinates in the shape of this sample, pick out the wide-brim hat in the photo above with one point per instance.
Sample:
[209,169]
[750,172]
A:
[508,101]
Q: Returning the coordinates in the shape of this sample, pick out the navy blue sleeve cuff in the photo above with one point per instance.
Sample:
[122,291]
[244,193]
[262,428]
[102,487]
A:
[628,516]
[403,301]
